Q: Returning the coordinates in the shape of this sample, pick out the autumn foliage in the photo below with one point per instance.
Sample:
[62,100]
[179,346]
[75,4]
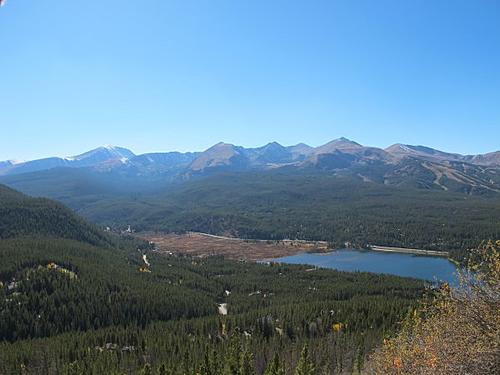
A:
[455,332]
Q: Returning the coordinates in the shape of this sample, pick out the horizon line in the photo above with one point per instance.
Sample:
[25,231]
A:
[111,146]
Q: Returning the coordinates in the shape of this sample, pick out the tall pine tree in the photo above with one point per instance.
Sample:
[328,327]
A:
[275,367]
[246,363]
[306,364]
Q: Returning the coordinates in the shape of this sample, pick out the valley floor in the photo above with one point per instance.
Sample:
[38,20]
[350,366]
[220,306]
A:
[202,244]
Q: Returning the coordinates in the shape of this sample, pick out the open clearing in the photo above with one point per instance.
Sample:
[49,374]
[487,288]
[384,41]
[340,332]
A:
[201,244]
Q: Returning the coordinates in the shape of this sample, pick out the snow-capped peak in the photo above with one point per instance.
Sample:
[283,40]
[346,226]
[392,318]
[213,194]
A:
[16,162]
[100,155]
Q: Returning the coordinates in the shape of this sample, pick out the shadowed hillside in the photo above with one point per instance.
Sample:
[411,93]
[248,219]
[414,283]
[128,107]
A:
[24,216]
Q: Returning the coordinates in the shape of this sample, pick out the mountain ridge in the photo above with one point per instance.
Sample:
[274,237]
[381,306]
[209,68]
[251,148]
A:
[399,164]
[339,144]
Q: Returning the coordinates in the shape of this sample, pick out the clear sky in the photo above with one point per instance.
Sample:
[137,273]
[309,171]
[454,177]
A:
[163,75]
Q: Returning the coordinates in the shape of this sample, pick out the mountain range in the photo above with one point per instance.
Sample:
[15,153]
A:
[342,191]
[399,164]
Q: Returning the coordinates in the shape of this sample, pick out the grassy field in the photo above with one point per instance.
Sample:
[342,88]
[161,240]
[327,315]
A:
[201,244]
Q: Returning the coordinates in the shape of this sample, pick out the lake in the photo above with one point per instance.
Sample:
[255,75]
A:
[406,265]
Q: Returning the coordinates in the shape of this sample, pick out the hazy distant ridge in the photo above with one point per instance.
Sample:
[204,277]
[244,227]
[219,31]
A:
[399,164]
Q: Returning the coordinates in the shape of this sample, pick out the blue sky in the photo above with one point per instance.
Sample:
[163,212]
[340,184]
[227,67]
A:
[159,75]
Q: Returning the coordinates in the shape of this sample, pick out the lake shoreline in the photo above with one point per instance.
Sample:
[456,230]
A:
[403,250]
[425,267]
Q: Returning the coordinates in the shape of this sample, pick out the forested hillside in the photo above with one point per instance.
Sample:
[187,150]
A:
[272,205]
[24,216]
[68,306]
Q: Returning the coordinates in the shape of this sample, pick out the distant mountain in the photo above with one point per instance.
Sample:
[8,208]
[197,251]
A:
[401,150]
[158,163]
[230,158]
[400,164]
[33,166]
[102,157]
[341,144]
[271,154]
[108,155]
[220,156]
[300,151]
[343,153]
[5,164]
[490,159]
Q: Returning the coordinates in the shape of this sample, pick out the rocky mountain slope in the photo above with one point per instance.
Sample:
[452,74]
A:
[400,165]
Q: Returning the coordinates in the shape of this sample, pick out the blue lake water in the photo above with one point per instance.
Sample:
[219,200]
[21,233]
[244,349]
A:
[406,265]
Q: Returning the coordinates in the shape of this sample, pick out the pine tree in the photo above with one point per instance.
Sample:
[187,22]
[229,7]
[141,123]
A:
[146,370]
[305,365]
[216,366]
[162,370]
[275,367]
[233,358]
[246,363]
[206,367]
